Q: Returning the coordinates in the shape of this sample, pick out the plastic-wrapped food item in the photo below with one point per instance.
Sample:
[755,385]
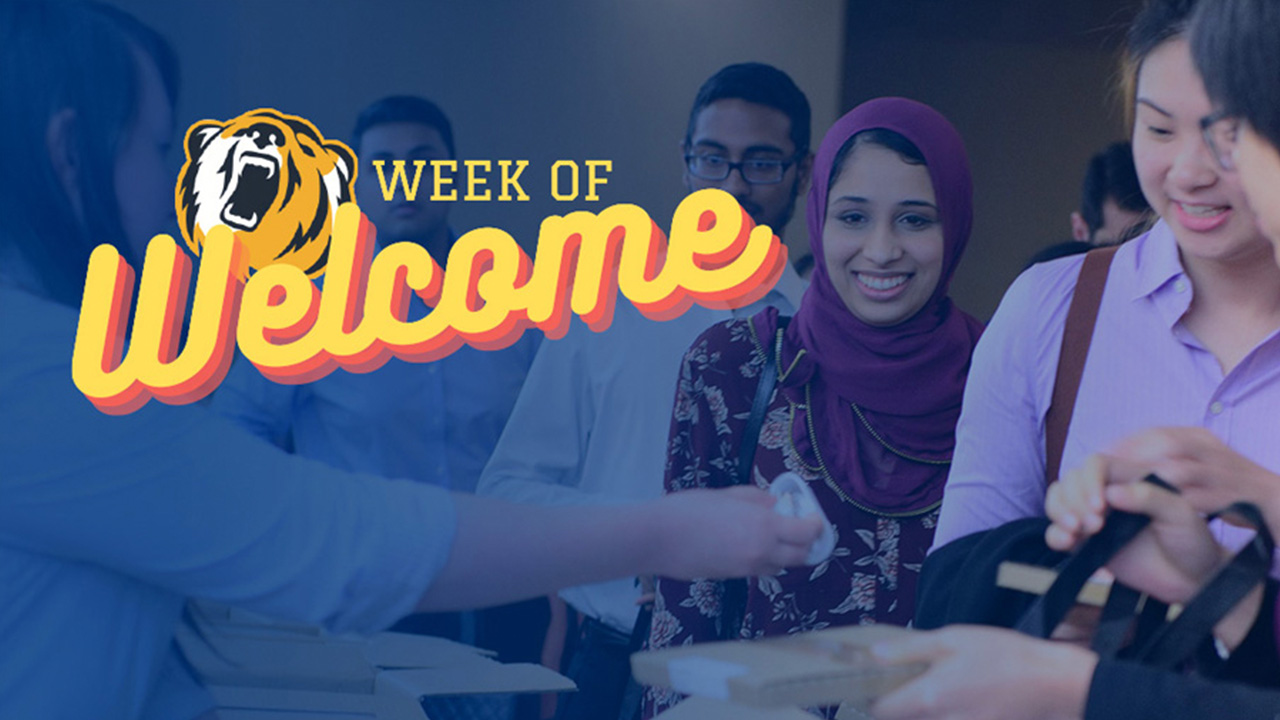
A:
[795,499]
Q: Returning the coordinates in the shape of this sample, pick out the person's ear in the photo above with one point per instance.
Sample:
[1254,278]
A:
[64,156]
[1079,228]
[804,173]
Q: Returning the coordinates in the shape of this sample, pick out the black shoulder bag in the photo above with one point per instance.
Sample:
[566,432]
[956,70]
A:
[1151,639]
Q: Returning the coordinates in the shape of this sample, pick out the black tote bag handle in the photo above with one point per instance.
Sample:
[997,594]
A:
[1158,643]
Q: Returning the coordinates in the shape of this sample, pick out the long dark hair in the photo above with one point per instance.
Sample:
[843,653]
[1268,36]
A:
[67,57]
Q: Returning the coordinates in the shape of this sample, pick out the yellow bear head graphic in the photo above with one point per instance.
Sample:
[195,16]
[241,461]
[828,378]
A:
[270,177]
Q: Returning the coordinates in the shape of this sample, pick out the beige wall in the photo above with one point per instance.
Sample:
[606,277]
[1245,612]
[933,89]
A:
[578,79]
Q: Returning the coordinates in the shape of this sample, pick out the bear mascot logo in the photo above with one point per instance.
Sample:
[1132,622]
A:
[270,177]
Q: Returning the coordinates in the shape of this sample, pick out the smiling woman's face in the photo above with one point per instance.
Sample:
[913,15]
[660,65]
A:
[1203,205]
[882,238]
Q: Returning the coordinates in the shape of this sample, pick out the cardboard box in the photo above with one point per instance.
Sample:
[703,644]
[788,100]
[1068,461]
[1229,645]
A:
[257,669]
[1037,580]
[827,667]
[702,708]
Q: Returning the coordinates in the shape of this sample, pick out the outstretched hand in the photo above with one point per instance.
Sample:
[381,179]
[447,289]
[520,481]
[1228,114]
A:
[729,533]
[987,673]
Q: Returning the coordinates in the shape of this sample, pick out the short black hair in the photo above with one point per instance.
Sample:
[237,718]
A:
[1111,174]
[1236,47]
[760,84]
[404,108]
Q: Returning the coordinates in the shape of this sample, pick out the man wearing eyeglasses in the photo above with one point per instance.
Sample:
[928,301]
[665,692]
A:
[591,423]
[750,138]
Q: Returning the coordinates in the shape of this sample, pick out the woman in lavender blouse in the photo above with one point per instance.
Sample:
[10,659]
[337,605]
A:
[994,673]
[1186,332]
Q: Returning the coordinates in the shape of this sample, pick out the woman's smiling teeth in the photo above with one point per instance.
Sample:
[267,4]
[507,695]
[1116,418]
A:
[881,282]
[1203,210]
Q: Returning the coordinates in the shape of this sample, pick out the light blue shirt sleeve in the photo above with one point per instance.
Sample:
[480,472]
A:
[108,522]
[436,423]
[187,502]
[260,406]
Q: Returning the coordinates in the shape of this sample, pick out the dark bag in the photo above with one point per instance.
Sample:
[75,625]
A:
[1147,637]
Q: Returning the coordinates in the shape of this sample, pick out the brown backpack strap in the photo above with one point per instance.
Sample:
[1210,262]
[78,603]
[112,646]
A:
[1076,337]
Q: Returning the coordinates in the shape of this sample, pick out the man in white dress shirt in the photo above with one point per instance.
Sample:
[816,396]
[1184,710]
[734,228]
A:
[591,423]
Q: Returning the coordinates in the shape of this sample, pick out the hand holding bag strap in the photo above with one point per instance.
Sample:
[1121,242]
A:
[1048,610]
[1159,644]
[734,602]
[1077,335]
[1178,640]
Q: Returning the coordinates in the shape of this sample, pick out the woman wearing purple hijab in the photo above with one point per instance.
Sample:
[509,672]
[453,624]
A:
[870,371]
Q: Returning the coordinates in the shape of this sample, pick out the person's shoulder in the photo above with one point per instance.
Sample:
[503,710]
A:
[729,342]
[38,333]
[1047,281]
[33,316]
[36,382]
[728,356]
[1038,299]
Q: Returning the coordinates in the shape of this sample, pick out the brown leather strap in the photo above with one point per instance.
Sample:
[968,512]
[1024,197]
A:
[1076,338]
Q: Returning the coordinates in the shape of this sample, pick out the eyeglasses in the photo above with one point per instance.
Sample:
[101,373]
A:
[1220,132]
[757,172]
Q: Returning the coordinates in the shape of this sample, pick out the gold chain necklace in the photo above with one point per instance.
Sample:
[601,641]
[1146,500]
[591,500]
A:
[777,351]
[826,474]
[858,411]
[813,435]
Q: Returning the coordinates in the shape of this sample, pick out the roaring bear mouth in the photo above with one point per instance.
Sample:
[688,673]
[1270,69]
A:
[256,187]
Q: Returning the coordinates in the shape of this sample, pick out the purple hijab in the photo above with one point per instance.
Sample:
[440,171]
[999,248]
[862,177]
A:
[907,379]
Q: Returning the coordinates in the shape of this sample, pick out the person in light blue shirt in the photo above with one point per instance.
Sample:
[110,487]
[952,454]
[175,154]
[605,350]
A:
[109,523]
[436,422]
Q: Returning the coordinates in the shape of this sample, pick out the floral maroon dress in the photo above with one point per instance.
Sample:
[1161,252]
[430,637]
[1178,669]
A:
[869,578]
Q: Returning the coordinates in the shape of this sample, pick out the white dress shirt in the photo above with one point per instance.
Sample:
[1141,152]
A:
[591,423]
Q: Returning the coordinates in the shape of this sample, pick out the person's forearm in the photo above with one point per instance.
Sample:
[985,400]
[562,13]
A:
[504,552]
